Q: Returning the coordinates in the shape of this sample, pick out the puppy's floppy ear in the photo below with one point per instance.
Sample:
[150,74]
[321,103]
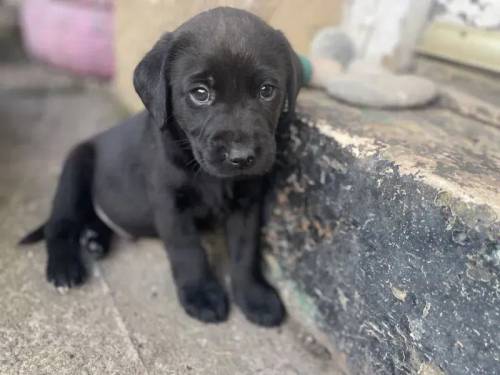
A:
[151,81]
[294,79]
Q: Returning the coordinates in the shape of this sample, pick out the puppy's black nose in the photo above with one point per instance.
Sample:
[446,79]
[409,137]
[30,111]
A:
[241,157]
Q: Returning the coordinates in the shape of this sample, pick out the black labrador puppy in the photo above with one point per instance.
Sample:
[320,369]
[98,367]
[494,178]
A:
[216,91]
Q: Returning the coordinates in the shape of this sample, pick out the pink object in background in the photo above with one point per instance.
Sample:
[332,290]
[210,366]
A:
[76,35]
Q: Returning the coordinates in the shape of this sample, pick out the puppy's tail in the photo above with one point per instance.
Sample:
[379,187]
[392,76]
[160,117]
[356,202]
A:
[34,236]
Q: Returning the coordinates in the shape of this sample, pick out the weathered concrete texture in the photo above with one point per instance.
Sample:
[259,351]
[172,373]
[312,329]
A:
[126,319]
[479,83]
[468,91]
[389,223]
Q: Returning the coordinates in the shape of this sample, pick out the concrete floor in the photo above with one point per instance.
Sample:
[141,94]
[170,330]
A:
[125,319]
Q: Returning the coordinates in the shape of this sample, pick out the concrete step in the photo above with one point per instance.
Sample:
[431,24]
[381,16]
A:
[384,230]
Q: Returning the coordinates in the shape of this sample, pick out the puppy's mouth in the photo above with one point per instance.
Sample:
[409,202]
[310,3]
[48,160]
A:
[220,167]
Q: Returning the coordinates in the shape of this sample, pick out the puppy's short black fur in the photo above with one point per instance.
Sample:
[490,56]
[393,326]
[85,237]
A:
[217,90]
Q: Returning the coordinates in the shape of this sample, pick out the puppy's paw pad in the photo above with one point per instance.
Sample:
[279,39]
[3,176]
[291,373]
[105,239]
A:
[65,271]
[261,304]
[205,301]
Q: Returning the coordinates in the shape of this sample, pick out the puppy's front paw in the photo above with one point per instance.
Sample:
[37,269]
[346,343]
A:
[204,300]
[65,270]
[260,303]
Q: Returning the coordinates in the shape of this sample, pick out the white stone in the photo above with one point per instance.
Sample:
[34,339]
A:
[381,90]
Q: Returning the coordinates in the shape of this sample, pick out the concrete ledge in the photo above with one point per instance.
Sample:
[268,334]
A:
[386,227]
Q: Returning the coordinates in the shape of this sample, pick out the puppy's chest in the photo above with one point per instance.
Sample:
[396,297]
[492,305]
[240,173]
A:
[206,199]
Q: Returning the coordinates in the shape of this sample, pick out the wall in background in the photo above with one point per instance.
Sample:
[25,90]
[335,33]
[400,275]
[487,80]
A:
[477,13]
[385,32]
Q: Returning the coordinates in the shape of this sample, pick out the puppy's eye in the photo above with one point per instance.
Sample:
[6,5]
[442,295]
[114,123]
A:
[200,95]
[267,92]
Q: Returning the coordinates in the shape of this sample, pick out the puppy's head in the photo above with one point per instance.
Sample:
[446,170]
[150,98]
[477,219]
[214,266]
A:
[224,78]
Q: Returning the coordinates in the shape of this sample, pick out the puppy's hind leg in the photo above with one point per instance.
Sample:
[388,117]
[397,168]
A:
[72,209]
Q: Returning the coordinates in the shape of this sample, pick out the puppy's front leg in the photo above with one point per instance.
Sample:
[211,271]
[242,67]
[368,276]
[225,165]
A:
[199,292]
[257,299]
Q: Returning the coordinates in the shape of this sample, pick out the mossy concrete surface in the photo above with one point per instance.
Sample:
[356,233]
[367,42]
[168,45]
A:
[386,225]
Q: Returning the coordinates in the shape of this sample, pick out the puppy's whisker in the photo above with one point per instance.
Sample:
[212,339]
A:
[183,145]
[197,171]
[181,141]
[192,163]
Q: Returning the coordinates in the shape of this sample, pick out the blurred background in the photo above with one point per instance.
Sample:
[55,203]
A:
[106,38]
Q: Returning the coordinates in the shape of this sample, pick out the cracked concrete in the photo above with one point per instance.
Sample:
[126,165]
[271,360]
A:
[125,319]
